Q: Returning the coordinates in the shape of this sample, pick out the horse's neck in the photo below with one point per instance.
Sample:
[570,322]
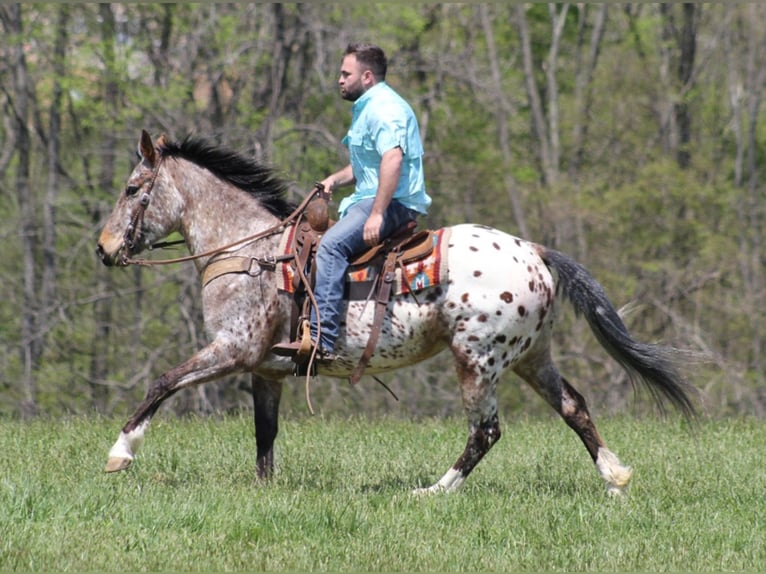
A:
[217,214]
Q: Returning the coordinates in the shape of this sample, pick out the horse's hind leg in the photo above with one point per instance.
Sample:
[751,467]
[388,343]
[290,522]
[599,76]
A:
[266,397]
[478,389]
[546,380]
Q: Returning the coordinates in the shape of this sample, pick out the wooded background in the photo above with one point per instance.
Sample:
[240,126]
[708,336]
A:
[626,135]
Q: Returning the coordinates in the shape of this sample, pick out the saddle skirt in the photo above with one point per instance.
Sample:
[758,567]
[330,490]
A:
[424,264]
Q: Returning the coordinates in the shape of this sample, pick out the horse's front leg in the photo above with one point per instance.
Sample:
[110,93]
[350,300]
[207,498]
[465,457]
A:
[266,396]
[208,364]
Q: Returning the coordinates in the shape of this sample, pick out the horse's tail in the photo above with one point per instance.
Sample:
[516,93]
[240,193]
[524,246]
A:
[652,365]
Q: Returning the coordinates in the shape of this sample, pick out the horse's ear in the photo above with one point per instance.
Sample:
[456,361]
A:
[146,148]
[162,141]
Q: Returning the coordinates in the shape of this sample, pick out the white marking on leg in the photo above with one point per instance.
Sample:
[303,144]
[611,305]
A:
[450,482]
[616,476]
[128,443]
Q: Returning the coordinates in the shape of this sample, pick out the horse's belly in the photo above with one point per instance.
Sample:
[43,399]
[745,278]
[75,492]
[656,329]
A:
[411,331]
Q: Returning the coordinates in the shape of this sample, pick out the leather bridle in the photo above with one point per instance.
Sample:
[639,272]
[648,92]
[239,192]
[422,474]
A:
[133,230]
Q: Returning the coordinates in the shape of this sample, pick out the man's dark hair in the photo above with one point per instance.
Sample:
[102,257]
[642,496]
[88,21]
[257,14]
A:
[370,56]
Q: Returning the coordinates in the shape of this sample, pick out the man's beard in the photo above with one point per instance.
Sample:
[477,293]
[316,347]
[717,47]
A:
[352,95]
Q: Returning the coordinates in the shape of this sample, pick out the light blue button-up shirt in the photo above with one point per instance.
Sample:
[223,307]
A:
[380,121]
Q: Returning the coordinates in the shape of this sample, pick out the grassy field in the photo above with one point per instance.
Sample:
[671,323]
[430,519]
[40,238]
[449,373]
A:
[341,502]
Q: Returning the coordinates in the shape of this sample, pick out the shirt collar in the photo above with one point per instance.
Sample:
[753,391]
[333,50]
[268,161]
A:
[362,101]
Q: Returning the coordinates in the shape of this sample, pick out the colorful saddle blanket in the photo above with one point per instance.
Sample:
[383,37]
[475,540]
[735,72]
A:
[413,276]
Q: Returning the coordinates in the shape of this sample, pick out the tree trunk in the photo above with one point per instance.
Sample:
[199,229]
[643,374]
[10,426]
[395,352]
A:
[754,211]
[679,124]
[545,125]
[584,68]
[280,57]
[54,163]
[539,126]
[30,342]
[687,48]
[551,68]
[502,112]
[102,308]
[746,72]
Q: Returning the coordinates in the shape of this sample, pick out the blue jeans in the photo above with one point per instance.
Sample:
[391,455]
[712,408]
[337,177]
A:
[339,244]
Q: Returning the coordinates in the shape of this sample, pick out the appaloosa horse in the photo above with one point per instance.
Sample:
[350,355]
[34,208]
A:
[495,312]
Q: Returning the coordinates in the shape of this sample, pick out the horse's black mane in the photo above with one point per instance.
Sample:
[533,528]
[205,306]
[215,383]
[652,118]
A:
[246,173]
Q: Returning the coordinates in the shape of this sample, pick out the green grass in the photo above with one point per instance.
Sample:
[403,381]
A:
[341,502]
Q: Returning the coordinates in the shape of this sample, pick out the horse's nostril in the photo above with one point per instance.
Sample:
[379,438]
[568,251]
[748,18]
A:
[105,259]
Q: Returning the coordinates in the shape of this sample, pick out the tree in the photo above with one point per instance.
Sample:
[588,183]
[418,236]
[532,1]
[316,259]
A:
[744,44]
[628,135]
[18,99]
[685,39]
[49,255]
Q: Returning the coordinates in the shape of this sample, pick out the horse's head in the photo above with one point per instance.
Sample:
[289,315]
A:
[133,225]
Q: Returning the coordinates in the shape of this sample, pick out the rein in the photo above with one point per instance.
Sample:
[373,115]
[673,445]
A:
[138,216]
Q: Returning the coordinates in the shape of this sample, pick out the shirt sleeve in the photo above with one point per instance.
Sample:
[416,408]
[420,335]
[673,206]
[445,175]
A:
[388,128]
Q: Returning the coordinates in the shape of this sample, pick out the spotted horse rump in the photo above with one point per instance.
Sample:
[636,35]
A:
[494,311]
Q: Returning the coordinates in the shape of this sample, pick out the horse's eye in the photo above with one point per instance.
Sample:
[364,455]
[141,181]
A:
[131,190]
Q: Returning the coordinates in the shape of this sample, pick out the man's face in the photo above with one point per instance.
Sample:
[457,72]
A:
[353,80]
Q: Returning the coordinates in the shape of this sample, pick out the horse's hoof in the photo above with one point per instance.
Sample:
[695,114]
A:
[116,464]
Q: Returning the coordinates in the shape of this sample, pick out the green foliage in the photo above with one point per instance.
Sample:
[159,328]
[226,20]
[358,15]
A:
[684,246]
[341,499]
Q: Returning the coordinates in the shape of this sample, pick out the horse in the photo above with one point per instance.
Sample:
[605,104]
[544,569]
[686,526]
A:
[494,312]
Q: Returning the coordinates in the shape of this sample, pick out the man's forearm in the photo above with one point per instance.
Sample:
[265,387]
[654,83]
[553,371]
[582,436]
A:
[388,179]
[340,178]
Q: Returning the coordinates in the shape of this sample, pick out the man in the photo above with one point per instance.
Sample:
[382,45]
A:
[387,170]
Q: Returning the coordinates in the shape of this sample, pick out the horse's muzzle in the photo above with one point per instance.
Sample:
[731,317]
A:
[105,258]
[111,249]
[118,257]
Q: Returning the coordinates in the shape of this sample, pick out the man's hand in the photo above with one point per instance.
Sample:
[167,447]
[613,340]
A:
[340,178]
[372,229]
[388,179]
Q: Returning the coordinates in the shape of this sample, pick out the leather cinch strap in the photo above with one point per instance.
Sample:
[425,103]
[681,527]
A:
[383,295]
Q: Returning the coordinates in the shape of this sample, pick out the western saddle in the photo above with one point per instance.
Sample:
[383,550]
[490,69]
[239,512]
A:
[404,246]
